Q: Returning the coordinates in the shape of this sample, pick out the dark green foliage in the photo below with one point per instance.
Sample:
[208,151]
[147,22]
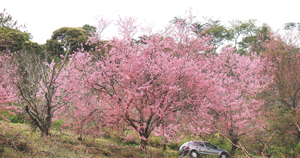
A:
[89,29]
[12,39]
[54,48]
[245,36]
[220,33]
[253,42]
[292,25]
[67,39]
[17,117]
[286,138]
[33,47]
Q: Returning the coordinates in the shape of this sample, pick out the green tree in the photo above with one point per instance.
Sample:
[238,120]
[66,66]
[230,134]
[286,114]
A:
[291,25]
[241,29]
[32,47]
[66,39]
[209,26]
[7,21]
[11,37]
[220,32]
[89,29]
[254,42]
[245,36]
[283,97]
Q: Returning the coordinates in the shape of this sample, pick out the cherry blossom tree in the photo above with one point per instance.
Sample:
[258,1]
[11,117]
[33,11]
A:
[141,87]
[84,113]
[7,90]
[239,79]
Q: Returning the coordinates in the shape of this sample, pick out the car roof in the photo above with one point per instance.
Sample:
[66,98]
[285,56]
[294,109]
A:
[205,142]
[200,141]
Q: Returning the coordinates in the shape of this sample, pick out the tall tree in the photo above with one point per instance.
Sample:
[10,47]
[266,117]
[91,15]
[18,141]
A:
[241,29]
[239,80]
[255,42]
[11,37]
[284,97]
[245,36]
[38,86]
[292,25]
[7,21]
[220,33]
[66,39]
[209,26]
[140,84]
[84,114]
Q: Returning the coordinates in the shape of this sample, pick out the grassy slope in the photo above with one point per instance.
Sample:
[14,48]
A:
[66,144]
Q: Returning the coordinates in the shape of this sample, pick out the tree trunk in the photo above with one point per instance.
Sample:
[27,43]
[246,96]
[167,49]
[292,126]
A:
[233,147]
[46,127]
[44,132]
[164,147]
[144,142]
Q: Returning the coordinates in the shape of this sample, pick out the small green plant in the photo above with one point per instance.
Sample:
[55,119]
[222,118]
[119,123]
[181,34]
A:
[57,123]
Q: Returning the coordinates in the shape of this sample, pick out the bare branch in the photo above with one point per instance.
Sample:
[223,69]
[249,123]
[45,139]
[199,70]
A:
[43,151]
[238,146]
[267,143]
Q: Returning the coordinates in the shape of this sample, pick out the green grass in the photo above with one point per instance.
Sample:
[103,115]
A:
[20,139]
[66,145]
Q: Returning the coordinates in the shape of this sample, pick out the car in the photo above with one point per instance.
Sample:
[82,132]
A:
[199,148]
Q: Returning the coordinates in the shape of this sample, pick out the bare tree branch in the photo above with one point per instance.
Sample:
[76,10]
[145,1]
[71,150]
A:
[238,146]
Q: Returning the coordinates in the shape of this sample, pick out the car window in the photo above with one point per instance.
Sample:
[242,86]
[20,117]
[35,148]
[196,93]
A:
[210,145]
[198,143]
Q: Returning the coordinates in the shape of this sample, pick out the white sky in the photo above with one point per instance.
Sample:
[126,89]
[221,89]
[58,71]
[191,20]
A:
[42,17]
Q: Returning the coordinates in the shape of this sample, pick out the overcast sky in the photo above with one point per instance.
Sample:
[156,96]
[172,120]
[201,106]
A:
[42,17]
